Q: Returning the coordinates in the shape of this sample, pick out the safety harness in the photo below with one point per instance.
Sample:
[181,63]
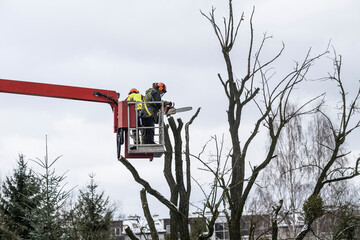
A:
[146,110]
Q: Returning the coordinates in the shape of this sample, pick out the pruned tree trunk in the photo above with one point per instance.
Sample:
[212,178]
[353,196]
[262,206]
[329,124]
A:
[274,220]
[179,219]
[130,233]
[174,193]
[179,191]
[147,214]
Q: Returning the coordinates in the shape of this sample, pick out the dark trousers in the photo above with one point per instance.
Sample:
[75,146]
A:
[149,132]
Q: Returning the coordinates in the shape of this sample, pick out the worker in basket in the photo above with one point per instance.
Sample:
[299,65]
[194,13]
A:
[149,115]
[135,96]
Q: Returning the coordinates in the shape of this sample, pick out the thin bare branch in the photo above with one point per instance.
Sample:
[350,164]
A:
[146,185]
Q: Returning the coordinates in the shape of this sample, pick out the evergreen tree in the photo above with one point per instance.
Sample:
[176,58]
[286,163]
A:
[48,220]
[93,213]
[18,199]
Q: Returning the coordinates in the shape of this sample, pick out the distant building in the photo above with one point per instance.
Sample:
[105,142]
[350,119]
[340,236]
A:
[257,224]
[138,226]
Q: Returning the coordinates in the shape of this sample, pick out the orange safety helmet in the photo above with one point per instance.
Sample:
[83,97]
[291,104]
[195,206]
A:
[161,87]
[133,90]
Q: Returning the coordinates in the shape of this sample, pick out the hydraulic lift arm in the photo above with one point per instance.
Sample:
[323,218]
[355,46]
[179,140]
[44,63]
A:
[125,115]
[61,91]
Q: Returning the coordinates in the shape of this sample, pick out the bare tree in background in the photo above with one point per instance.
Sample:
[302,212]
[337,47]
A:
[257,88]
[333,171]
[286,179]
[302,153]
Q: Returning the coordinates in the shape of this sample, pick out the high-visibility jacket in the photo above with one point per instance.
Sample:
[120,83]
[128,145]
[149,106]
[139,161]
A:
[136,97]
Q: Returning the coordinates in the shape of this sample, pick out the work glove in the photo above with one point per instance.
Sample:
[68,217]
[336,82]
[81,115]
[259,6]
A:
[168,106]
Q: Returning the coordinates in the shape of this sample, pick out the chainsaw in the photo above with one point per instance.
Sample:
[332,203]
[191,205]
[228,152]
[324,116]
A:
[171,110]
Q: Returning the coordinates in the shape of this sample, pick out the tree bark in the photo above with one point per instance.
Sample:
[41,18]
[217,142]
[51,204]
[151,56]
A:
[149,219]
[179,176]
[174,193]
[274,220]
[130,234]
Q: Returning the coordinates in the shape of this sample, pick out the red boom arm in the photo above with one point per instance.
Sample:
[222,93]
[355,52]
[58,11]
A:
[61,91]
[123,120]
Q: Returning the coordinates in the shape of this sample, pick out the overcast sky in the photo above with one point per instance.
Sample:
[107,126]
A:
[118,45]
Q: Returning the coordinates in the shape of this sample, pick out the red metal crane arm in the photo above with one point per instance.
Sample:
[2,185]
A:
[61,91]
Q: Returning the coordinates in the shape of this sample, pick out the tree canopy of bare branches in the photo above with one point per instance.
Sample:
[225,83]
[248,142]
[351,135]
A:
[272,96]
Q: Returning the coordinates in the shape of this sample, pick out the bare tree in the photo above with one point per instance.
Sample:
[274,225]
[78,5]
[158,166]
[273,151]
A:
[301,155]
[179,183]
[288,177]
[270,98]
[217,190]
[347,122]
